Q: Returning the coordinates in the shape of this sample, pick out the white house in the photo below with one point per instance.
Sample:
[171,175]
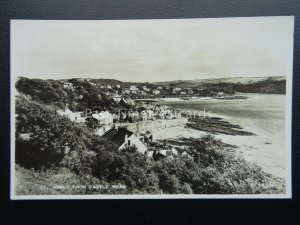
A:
[77,117]
[123,138]
[117,99]
[156,92]
[220,94]
[133,88]
[104,117]
[175,90]
[68,85]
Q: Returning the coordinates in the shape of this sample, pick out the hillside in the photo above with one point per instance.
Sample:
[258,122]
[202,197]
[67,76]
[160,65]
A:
[274,84]
[234,80]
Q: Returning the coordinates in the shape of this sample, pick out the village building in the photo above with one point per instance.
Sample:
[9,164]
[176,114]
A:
[103,118]
[68,85]
[77,117]
[128,101]
[143,93]
[118,86]
[123,138]
[186,154]
[145,88]
[220,94]
[126,91]
[133,88]
[175,90]
[155,92]
[117,99]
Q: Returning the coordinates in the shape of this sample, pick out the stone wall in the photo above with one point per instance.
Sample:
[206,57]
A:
[148,125]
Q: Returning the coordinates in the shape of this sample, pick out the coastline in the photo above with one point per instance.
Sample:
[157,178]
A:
[264,149]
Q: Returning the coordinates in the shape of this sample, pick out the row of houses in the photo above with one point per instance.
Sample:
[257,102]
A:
[141,113]
[123,138]
[178,90]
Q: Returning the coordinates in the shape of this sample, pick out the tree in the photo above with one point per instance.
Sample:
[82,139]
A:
[50,136]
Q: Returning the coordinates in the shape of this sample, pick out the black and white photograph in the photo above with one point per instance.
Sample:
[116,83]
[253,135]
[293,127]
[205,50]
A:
[151,108]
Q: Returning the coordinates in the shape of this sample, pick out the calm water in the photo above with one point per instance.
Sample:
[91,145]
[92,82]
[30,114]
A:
[262,114]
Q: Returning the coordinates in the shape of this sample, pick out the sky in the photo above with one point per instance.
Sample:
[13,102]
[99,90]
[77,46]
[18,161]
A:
[152,50]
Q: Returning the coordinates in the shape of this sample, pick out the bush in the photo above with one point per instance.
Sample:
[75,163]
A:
[51,140]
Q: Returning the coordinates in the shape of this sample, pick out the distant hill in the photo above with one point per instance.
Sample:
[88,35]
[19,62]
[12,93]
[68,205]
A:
[113,82]
[103,81]
[235,80]
[106,81]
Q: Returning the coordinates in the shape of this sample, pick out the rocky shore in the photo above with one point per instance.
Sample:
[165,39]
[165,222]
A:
[216,125]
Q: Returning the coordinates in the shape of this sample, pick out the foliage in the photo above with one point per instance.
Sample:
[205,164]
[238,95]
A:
[61,151]
[264,86]
[60,180]
[51,138]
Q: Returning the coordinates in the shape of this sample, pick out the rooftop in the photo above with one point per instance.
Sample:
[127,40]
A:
[117,136]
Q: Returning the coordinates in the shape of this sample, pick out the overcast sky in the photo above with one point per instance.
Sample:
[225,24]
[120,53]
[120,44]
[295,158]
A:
[152,50]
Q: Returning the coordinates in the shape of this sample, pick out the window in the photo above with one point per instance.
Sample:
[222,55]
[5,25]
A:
[128,142]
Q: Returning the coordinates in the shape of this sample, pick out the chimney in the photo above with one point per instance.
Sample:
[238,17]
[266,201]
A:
[116,126]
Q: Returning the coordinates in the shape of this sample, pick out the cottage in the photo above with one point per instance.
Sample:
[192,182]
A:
[68,85]
[123,138]
[126,91]
[220,94]
[175,90]
[186,154]
[117,99]
[155,92]
[77,117]
[133,88]
[161,153]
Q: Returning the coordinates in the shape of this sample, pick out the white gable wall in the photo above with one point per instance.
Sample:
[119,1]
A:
[134,141]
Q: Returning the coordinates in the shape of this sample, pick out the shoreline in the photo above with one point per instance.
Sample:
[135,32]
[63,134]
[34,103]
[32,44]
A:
[183,99]
[264,149]
[243,145]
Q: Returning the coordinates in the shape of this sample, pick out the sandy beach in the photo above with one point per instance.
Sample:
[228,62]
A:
[261,114]
[248,146]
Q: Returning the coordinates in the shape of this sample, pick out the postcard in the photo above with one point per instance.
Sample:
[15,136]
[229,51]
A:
[151,109]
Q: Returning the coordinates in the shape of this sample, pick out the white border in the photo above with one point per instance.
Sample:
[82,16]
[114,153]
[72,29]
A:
[288,156]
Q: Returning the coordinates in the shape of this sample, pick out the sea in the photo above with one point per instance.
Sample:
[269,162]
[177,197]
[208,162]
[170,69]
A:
[263,114]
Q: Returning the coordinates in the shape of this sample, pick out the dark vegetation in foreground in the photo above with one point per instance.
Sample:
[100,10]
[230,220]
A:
[52,151]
